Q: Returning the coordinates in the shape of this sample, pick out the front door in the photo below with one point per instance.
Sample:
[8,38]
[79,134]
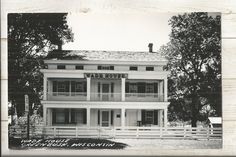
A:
[105,118]
[105,92]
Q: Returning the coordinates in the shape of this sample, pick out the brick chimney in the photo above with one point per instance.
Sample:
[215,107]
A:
[150,45]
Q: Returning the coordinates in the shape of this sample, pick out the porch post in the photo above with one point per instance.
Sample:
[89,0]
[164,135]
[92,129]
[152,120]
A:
[160,91]
[44,88]
[165,89]
[160,118]
[165,117]
[88,117]
[44,116]
[88,88]
[122,89]
[123,117]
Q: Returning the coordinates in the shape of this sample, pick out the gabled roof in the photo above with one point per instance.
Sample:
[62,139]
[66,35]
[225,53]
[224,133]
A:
[104,55]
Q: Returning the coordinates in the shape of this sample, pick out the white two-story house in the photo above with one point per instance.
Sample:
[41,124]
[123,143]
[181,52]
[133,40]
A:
[105,89]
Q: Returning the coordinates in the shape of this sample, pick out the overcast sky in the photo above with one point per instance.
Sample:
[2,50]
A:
[118,32]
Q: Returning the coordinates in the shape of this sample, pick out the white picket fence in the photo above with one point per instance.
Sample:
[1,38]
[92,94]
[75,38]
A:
[118,132]
[134,132]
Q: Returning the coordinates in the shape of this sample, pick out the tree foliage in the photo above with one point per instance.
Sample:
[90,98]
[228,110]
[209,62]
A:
[194,59]
[30,37]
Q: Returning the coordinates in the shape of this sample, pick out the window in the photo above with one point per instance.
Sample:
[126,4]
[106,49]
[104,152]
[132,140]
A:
[133,68]
[63,88]
[149,68]
[149,88]
[112,89]
[149,118]
[79,67]
[133,88]
[105,67]
[61,67]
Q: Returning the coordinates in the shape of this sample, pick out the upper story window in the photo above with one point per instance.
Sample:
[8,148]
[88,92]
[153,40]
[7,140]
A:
[141,87]
[149,68]
[133,68]
[105,67]
[61,67]
[79,67]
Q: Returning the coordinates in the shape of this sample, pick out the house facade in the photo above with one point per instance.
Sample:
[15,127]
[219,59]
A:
[105,89]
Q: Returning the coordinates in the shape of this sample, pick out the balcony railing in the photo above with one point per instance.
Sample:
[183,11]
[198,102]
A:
[81,96]
[144,97]
[105,96]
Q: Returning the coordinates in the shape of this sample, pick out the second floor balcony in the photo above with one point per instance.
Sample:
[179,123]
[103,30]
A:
[103,90]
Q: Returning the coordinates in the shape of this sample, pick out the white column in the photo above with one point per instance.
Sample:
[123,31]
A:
[123,117]
[122,89]
[44,115]
[88,116]
[165,117]
[160,90]
[165,89]
[88,88]
[160,118]
[44,88]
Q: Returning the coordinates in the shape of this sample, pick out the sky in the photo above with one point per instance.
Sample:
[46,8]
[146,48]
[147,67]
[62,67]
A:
[118,32]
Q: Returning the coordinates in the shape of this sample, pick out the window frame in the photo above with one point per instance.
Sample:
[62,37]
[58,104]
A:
[81,67]
[151,68]
[61,66]
[136,68]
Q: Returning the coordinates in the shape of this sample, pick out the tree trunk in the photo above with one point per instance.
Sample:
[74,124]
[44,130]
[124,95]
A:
[195,106]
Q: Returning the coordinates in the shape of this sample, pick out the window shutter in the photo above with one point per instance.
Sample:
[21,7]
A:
[98,117]
[112,113]
[85,86]
[66,111]
[73,84]
[126,87]
[155,87]
[155,117]
[53,116]
[143,117]
[84,116]
[54,87]
[67,83]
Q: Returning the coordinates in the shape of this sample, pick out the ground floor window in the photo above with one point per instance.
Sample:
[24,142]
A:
[69,116]
[149,117]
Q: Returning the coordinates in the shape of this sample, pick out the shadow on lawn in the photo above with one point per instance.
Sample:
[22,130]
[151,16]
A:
[65,143]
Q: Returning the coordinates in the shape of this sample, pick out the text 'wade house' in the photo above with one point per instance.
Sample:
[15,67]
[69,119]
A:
[105,89]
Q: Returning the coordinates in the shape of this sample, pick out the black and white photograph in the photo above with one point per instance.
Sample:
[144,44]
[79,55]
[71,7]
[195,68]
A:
[114,82]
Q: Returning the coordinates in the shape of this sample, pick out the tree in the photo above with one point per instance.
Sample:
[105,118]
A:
[30,37]
[194,59]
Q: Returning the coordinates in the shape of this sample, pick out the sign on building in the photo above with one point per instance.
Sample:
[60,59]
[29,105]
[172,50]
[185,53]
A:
[106,75]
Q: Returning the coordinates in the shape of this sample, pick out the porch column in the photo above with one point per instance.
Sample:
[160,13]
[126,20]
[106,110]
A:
[88,88]
[44,116]
[88,117]
[165,89]
[44,88]
[160,118]
[165,117]
[123,117]
[160,91]
[122,89]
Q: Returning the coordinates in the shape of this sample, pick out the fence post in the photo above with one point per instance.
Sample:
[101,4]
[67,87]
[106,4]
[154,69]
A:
[208,136]
[137,132]
[76,131]
[160,132]
[54,132]
[184,132]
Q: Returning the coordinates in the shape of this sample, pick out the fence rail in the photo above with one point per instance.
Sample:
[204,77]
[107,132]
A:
[122,132]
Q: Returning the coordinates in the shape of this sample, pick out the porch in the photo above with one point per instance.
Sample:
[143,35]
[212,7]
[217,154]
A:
[105,117]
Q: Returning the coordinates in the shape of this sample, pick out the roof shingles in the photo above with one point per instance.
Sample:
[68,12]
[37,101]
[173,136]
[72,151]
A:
[115,55]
